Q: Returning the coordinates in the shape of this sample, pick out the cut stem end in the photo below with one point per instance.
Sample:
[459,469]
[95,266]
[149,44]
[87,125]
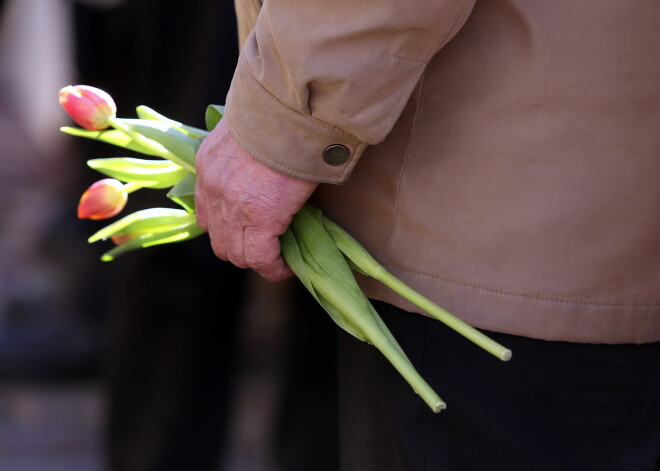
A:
[506,355]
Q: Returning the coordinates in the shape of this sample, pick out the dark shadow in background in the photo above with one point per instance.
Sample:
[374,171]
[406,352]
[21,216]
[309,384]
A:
[173,315]
[174,308]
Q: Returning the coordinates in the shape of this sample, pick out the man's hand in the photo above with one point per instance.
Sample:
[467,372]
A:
[244,205]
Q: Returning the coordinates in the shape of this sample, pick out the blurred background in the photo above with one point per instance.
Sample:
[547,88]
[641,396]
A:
[167,358]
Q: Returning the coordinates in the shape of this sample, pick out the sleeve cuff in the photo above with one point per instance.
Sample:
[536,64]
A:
[284,139]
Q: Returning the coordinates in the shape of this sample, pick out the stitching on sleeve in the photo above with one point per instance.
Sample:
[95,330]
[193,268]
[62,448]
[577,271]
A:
[256,150]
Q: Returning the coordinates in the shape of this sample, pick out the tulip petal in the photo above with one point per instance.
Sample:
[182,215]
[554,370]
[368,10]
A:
[90,107]
[102,200]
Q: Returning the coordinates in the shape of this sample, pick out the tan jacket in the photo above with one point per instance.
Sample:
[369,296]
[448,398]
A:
[512,172]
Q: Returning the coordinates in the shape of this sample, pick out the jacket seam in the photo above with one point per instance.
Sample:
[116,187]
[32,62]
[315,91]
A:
[437,45]
[402,172]
[459,12]
[403,97]
[532,297]
[410,59]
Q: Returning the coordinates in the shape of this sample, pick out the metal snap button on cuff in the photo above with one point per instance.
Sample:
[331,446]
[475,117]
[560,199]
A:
[336,154]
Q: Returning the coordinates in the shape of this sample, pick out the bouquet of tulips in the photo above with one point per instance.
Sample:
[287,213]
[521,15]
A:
[320,253]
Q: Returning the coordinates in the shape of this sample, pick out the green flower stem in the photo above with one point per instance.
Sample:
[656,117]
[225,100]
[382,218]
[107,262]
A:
[151,144]
[370,266]
[419,385]
[130,187]
[463,328]
[366,319]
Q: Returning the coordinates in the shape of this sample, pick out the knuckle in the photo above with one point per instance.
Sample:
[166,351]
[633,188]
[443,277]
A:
[219,251]
[200,218]
[236,258]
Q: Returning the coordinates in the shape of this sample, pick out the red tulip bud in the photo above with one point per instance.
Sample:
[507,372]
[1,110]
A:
[102,200]
[122,239]
[88,106]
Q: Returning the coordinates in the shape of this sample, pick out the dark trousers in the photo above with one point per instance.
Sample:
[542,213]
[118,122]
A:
[555,406]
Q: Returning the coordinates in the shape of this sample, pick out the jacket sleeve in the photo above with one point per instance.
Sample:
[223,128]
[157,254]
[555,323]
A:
[321,73]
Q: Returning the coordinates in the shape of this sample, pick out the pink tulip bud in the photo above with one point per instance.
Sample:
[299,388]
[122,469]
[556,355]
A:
[102,200]
[88,106]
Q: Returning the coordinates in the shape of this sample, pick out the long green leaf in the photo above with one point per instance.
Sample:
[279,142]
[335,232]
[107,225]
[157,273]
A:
[149,173]
[327,271]
[339,294]
[294,258]
[176,234]
[214,114]
[183,193]
[161,216]
[111,136]
[172,139]
[145,112]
